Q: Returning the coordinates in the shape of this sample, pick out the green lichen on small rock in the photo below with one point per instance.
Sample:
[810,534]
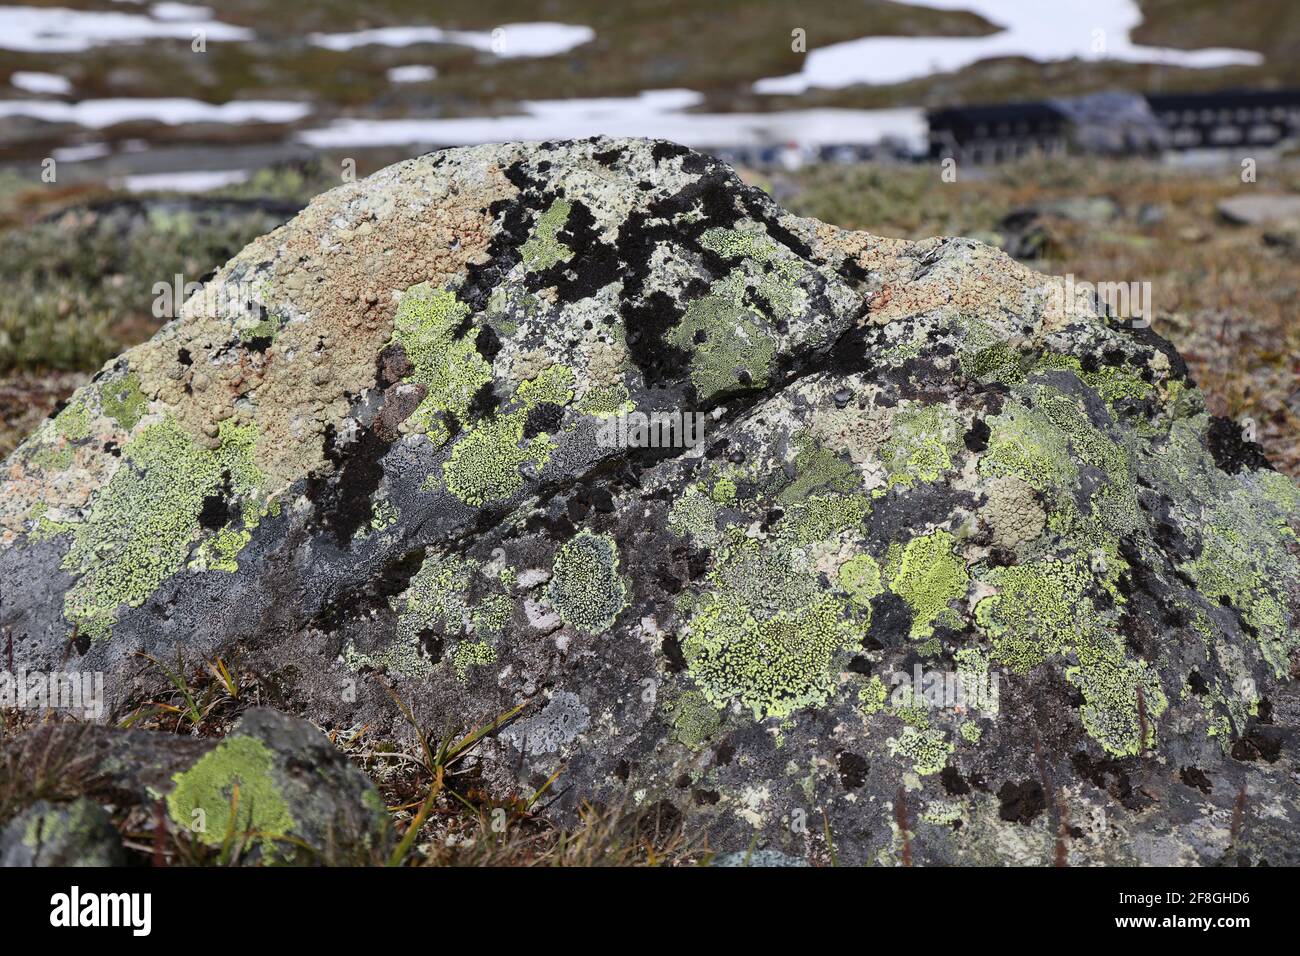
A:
[231,792]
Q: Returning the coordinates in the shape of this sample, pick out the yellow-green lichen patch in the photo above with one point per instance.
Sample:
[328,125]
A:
[695,719]
[143,524]
[586,589]
[777,273]
[231,792]
[818,468]
[1112,383]
[1245,561]
[486,463]
[922,441]
[824,516]
[219,553]
[773,666]
[436,598]
[871,698]
[1039,608]
[445,359]
[402,656]
[544,248]
[694,515]
[730,350]
[859,577]
[928,574]
[471,654]
[120,399]
[1121,696]
[606,401]
[927,749]
[1023,442]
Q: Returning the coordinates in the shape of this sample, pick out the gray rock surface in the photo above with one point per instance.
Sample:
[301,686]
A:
[384,443]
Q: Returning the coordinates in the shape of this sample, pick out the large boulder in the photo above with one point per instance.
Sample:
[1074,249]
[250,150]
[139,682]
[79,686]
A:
[959,571]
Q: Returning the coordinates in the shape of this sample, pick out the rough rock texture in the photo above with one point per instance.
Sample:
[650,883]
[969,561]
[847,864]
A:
[275,787]
[78,833]
[375,447]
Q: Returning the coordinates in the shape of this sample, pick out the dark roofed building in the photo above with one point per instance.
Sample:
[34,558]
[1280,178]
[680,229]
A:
[1118,124]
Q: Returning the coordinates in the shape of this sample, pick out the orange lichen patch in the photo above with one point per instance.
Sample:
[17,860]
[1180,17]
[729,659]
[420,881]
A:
[327,284]
[976,280]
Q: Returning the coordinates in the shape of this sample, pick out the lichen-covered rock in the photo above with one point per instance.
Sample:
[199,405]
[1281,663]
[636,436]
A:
[960,572]
[274,788]
[79,833]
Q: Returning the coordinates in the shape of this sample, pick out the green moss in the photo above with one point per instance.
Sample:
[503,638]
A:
[928,574]
[204,798]
[586,589]
[121,400]
[145,520]
[970,731]
[448,365]
[544,248]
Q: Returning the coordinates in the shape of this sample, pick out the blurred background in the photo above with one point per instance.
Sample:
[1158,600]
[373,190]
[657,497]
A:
[1118,140]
